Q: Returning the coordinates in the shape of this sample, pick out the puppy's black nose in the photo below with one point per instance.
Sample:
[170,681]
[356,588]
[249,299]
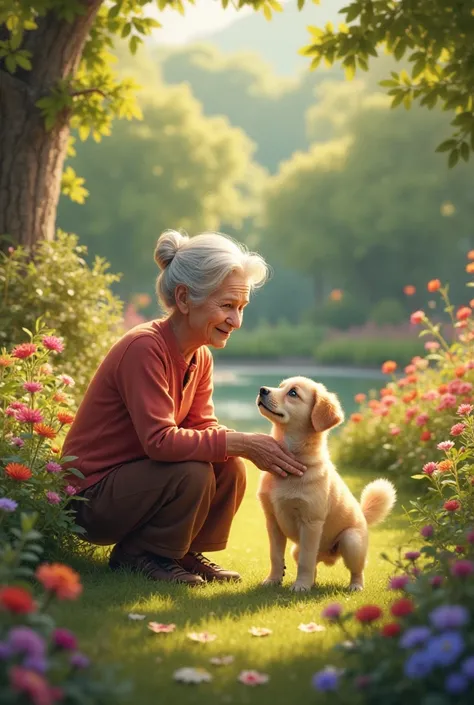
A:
[264,391]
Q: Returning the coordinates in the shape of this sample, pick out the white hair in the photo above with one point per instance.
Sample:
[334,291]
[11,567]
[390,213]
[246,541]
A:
[202,263]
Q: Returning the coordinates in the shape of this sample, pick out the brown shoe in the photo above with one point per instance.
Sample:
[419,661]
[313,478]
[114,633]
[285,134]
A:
[200,565]
[153,567]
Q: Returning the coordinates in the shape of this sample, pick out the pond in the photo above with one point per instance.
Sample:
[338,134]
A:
[236,387]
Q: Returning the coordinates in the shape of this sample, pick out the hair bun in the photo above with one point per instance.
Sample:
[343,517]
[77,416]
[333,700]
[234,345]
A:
[167,246]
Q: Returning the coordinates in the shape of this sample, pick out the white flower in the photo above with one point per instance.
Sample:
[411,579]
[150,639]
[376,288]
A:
[253,678]
[311,627]
[192,675]
[136,617]
[203,637]
[221,660]
[259,631]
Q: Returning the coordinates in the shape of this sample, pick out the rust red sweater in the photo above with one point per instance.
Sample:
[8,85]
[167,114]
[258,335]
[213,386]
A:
[146,401]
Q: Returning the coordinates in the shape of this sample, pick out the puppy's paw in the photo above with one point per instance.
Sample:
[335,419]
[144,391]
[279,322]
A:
[355,587]
[272,581]
[300,587]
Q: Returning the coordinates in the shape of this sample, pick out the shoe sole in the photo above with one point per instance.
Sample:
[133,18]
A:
[118,566]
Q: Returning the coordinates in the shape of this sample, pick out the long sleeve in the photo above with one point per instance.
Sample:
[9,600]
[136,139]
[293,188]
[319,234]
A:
[141,378]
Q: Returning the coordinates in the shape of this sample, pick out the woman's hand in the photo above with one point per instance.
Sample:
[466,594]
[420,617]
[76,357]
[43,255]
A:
[265,452]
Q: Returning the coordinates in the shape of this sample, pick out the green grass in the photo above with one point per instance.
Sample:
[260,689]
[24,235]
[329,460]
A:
[288,655]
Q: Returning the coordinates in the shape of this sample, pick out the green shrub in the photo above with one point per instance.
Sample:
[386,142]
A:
[72,298]
[366,352]
[387,312]
[273,341]
[340,314]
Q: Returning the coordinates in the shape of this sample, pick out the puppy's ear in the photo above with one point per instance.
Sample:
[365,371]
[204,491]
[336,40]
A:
[327,412]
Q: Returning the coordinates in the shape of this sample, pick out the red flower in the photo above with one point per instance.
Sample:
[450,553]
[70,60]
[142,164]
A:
[359,398]
[392,629]
[417,317]
[24,350]
[368,613]
[452,505]
[434,285]
[356,418]
[463,313]
[18,471]
[402,607]
[17,600]
[64,417]
[425,436]
[409,290]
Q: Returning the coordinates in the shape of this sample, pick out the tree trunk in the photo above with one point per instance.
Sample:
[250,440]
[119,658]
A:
[31,158]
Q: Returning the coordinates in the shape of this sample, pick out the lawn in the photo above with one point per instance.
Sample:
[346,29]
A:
[288,655]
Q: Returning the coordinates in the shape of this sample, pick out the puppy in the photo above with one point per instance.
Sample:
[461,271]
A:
[317,511]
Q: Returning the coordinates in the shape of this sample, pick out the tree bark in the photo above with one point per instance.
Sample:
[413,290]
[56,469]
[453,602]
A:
[31,158]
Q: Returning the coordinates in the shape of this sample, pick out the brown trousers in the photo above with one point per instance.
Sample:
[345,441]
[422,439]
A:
[164,508]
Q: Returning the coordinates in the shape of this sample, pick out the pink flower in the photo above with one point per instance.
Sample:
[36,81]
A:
[67,380]
[462,568]
[260,631]
[253,678]
[70,490]
[457,429]
[53,467]
[399,582]
[422,419]
[203,637]
[53,497]
[24,350]
[18,405]
[311,627]
[10,411]
[427,531]
[445,445]
[412,555]
[454,386]
[33,387]
[465,409]
[51,342]
[470,536]
[430,395]
[448,401]
[29,415]
[436,581]
[417,317]
[158,628]
[411,412]
[395,430]
[18,442]
[46,369]
[64,639]
[430,468]
[465,388]
[389,400]
[431,345]
[332,612]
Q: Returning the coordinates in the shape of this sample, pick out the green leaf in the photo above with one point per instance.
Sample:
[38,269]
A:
[10,63]
[465,151]
[447,145]
[352,11]
[76,472]
[24,62]
[134,43]
[453,158]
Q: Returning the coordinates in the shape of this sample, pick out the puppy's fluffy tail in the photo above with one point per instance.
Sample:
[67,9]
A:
[377,500]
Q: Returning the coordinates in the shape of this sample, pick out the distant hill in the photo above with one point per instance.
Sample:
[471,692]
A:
[279,40]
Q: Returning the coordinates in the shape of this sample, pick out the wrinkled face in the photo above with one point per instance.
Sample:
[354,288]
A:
[213,321]
[301,405]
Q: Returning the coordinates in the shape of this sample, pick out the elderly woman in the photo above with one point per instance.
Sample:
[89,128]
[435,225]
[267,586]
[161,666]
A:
[162,477]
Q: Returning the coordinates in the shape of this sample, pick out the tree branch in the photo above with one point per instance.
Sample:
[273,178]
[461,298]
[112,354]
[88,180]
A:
[88,91]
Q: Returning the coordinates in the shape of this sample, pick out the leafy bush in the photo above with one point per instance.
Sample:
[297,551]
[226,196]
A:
[40,663]
[36,408]
[273,341]
[366,351]
[76,300]
[340,313]
[387,311]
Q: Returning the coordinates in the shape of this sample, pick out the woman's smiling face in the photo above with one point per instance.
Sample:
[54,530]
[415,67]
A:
[213,321]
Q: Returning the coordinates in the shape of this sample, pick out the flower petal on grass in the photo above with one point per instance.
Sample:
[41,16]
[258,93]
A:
[192,675]
[311,627]
[253,678]
[136,617]
[259,631]
[221,660]
[158,628]
[202,637]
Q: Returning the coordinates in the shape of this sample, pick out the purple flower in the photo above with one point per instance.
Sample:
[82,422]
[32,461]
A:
[7,505]
[18,442]
[416,636]
[25,640]
[53,467]
[412,555]
[327,679]
[399,582]
[332,611]
[449,617]
[456,683]
[5,651]
[418,665]
[79,660]
[70,490]
[427,531]
[38,664]
[467,667]
[64,639]
[53,497]
[444,650]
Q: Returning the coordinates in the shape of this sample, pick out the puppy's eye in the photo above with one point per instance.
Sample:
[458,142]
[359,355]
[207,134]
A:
[292,392]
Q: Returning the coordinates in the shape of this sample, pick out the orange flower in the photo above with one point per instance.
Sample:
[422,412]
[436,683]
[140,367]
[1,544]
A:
[410,369]
[412,379]
[433,285]
[55,449]
[60,398]
[64,417]
[18,471]
[445,465]
[6,361]
[443,388]
[460,371]
[463,313]
[388,367]
[17,600]
[44,430]
[409,396]
[336,295]
[470,254]
[470,268]
[409,290]
[385,392]
[359,398]
[60,579]
[356,418]
[374,404]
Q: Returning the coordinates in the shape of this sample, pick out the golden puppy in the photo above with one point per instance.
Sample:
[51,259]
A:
[317,511]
